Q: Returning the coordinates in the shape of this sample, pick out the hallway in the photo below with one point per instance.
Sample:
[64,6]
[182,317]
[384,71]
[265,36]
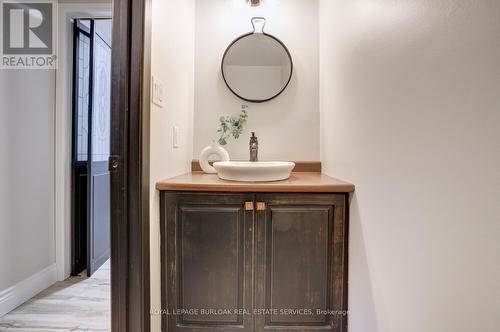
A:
[76,304]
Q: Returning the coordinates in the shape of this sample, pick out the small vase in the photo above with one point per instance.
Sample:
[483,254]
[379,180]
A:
[213,149]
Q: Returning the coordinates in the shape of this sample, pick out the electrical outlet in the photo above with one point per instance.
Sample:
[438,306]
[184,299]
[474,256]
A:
[157,91]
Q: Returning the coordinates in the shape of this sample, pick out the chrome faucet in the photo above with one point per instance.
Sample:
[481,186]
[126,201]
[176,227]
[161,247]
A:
[254,148]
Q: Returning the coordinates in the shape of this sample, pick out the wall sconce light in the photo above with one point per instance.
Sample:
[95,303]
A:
[254,3]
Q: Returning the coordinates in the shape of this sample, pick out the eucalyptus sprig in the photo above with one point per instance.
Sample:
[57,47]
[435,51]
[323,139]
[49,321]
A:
[232,125]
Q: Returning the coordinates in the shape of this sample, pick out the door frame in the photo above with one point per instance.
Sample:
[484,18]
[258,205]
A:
[130,116]
[76,236]
[64,126]
[130,287]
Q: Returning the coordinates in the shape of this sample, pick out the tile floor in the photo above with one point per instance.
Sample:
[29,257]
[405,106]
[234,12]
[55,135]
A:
[76,304]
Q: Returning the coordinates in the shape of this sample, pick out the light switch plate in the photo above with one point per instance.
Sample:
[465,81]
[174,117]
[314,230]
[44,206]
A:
[175,140]
[157,91]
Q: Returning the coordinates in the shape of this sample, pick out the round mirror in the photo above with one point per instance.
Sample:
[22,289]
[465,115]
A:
[257,67]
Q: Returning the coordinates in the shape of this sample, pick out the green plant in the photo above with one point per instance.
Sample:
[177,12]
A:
[232,125]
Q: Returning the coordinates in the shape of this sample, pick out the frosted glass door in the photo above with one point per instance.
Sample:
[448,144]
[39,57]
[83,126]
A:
[100,213]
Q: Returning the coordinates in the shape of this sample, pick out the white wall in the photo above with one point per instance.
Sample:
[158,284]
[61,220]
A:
[288,126]
[411,114]
[35,145]
[26,178]
[173,64]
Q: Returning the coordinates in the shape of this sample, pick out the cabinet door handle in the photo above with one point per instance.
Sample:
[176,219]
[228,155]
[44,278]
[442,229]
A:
[249,206]
[261,206]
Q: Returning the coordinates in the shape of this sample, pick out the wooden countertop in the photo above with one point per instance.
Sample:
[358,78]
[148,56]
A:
[306,182]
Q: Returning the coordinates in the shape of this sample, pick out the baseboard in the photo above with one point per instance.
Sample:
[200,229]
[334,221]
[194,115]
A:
[21,292]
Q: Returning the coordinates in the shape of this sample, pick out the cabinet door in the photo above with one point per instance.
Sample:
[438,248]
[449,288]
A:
[207,265]
[301,263]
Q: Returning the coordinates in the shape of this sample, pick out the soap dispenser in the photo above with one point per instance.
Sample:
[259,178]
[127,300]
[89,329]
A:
[254,148]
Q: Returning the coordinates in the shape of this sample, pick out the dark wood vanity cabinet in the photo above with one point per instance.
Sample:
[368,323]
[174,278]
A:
[207,261]
[300,264]
[254,262]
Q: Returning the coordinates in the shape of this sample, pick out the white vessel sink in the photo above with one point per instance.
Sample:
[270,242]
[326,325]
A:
[257,171]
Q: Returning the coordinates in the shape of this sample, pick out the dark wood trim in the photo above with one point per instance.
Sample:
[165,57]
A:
[345,286]
[90,186]
[163,252]
[119,104]
[74,152]
[300,166]
[130,285]
[140,73]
